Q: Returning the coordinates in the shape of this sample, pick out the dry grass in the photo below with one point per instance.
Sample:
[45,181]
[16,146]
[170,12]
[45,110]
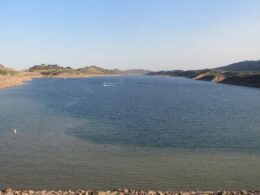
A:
[16,79]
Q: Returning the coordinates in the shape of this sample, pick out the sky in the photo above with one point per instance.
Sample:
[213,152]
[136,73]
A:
[126,34]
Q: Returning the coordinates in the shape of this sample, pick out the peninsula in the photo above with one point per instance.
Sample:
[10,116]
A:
[10,77]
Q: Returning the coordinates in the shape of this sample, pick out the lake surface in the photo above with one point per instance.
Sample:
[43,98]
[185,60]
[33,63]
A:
[137,132]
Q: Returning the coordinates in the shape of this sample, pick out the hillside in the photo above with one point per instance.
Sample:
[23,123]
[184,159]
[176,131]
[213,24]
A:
[245,73]
[136,71]
[252,80]
[180,73]
[98,70]
[6,71]
[242,66]
[51,70]
[10,77]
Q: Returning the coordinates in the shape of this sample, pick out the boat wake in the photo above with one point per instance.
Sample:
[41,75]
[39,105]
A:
[124,84]
[105,84]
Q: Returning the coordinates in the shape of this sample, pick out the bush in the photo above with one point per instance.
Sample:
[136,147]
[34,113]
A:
[3,72]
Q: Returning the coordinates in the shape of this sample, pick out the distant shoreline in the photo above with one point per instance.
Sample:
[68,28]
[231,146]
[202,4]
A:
[245,73]
[9,191]
[8,81]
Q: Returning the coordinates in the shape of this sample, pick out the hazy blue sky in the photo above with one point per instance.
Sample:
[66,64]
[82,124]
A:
[153,34]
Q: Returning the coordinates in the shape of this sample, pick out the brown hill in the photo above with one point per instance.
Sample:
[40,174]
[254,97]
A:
[53,70]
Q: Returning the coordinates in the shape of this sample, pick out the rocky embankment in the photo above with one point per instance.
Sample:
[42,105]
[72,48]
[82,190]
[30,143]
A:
[9,191]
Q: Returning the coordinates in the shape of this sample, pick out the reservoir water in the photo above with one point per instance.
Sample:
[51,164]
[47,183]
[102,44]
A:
[129,132]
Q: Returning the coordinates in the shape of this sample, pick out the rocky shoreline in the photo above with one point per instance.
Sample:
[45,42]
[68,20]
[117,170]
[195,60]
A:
[9,191]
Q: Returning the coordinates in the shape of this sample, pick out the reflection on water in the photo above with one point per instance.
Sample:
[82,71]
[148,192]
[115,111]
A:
[177,134]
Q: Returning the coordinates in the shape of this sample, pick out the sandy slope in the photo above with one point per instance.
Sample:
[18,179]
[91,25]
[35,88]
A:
[17,79]
[9,81]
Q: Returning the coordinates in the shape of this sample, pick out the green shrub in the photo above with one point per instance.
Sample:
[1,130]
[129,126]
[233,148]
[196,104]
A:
[3,72]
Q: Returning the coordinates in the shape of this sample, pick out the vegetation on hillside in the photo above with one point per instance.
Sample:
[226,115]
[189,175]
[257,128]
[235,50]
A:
[6,71]
[55,70]
[252,66]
